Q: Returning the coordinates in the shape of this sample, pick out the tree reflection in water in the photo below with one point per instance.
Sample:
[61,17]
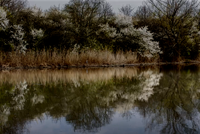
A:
[168,100]
[175,103]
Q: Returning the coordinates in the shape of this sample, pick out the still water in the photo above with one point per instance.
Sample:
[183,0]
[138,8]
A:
[136,100]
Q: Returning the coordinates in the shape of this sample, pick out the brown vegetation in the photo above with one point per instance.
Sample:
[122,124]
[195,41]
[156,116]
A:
[47,59]
[74,75]
[47,75]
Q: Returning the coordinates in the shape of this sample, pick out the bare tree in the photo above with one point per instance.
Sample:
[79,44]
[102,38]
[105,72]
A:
[176,18]
[13,5]
[106,11]
[126,10]
[143,13]
[86,16]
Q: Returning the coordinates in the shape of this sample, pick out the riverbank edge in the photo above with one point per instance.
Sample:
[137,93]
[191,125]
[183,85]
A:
[5,67]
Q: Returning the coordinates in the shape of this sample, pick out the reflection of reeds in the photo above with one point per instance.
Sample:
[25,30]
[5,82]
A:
[46,76]
[57,58]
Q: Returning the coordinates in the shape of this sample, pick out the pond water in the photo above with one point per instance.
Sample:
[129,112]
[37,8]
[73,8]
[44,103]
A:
[136,100]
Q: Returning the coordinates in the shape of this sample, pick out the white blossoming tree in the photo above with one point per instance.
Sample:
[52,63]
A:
[17,39]
[37,33]
[36,11]
[4,31]
[123,20]
[148,48]
[129,38]
[12,35]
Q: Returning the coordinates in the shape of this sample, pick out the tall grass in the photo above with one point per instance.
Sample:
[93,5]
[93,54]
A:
[56,59]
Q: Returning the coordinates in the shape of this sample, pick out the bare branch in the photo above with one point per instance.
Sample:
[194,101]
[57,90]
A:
[14,6]
[126,10]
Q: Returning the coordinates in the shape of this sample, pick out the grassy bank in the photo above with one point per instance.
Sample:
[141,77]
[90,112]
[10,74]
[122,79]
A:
[47,59]
[56,59]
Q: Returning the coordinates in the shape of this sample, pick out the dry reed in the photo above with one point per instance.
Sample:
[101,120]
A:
[55,59]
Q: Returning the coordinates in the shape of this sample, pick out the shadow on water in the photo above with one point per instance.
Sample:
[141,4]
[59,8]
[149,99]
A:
[166,98]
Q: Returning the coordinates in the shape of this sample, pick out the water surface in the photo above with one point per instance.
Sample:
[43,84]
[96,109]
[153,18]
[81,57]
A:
[133,100]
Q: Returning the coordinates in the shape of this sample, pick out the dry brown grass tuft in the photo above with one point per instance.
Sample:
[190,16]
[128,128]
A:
[55,59]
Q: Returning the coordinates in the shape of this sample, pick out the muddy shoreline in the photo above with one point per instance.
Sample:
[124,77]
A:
[5,67]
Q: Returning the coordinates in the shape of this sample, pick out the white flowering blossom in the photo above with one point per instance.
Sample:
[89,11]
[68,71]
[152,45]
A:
[37,33]
[147,43]
[194,33]
[3,20]
[17,34]
[18,41]
[111,31]
[123,20]
[148,47]
[37,11]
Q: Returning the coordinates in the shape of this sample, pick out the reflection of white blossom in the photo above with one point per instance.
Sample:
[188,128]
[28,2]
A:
[151,80]
[18,101]
[196,116]
[37,99]
[19,98]
[22,86]
[129,104]
[4,113]
[76,83]
[39,117]
[190,119]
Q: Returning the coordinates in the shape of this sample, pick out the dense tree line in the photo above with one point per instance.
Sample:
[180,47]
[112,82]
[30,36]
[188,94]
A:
[167,28]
